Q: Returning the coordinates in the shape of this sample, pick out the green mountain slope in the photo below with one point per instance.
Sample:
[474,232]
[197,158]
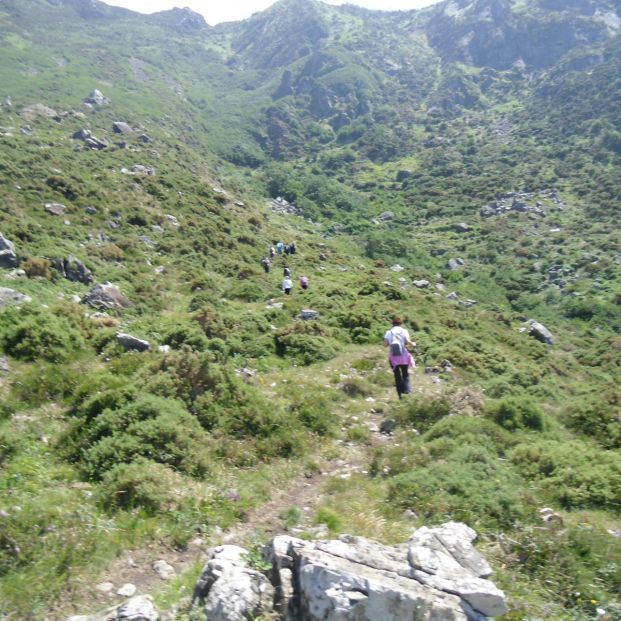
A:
[458,166]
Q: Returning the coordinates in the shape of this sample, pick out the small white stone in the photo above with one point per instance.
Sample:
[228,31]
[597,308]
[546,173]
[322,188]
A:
[127,590]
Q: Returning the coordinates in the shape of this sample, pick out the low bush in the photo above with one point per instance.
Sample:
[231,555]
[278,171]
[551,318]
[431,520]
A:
[598,416]
[142,483]
[572,473]
[35,334]
[515,413]
[421,414]
[305,342]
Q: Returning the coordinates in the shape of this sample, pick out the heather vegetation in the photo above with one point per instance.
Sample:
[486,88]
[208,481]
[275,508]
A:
[494,182]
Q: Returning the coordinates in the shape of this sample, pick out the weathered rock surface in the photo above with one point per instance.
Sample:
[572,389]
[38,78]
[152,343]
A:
[96,98]
[74,270]
[10,296]
[120,127]
[8,258]
[437,575]
[541,333]
[55,209]
[230,590]
[132,343]
[105,297]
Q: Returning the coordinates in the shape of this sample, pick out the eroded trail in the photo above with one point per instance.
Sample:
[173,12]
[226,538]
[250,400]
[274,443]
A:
[362,411]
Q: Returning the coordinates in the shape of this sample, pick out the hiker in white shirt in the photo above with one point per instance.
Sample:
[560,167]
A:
[397,339]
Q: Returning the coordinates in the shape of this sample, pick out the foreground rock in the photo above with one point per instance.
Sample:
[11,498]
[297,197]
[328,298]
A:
[230,590]
[106,297]
[437,574]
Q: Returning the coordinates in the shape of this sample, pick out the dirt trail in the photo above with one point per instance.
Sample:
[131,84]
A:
[303,492]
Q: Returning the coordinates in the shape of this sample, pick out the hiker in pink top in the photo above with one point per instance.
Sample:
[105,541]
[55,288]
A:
[397,339]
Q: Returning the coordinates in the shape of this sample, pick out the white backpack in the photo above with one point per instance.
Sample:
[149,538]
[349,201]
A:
[396,345]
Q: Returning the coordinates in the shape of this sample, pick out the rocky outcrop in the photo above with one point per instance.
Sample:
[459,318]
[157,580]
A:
[106,297]
[8,258]
[96,98]
[437,574]
[74,270]
[230,590]
[120,127]
[55,209]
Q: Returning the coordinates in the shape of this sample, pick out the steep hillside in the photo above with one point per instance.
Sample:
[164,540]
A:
[458,166]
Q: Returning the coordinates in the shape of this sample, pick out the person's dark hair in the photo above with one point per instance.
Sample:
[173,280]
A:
[396,321]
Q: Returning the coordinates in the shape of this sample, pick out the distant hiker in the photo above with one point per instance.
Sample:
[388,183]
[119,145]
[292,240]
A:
[287,248]
[286,271]
[287,285]
[280,247]
[397,339]
[304,282]
[292,248]
[265,262]
[272,252]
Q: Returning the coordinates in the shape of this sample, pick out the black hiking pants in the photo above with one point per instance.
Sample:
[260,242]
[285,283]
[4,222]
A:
[402,379]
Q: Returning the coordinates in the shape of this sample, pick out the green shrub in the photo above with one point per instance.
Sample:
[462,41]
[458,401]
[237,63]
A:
[469,484]
[142,484]
[515,413]
[598,416]
[421,414]
[314,410]
[190,335]
[10,443]
[572,473]
[37,334]
[306,342]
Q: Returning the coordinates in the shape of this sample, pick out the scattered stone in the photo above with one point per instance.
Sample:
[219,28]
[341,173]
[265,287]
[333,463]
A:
[462,227]
[454,264]
[421,284]
[139,169]
[452,296]
[8,258]
[4,367]
[540,332]
[74,270]
[145,239]
[106,297]
[138,608]
[120,127]
[105,587]
[397,268]
[127,590]
[164,570]
[239,204]
[550,516]
[12,297]
[91,211]
[132,343]
[307,313]
[386,216]
[144,138]
[172,219]
[96,98]
[55,209]
[164,349]
[467,303]
[388,426]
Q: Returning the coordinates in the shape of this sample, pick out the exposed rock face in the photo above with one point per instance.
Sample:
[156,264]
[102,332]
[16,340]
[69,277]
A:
[230,590]
[31,113]
[105,297]
[8,258]
[436,575]
[74,270]
[139,608]
[10,296]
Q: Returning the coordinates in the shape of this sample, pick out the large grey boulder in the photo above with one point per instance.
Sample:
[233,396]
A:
[120,127]
[8,258]
[106,297]
[437,575]
[55,209]
[132,343]
[540,332]
[12,297]
[96,98]
[230,590]
[74,270]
